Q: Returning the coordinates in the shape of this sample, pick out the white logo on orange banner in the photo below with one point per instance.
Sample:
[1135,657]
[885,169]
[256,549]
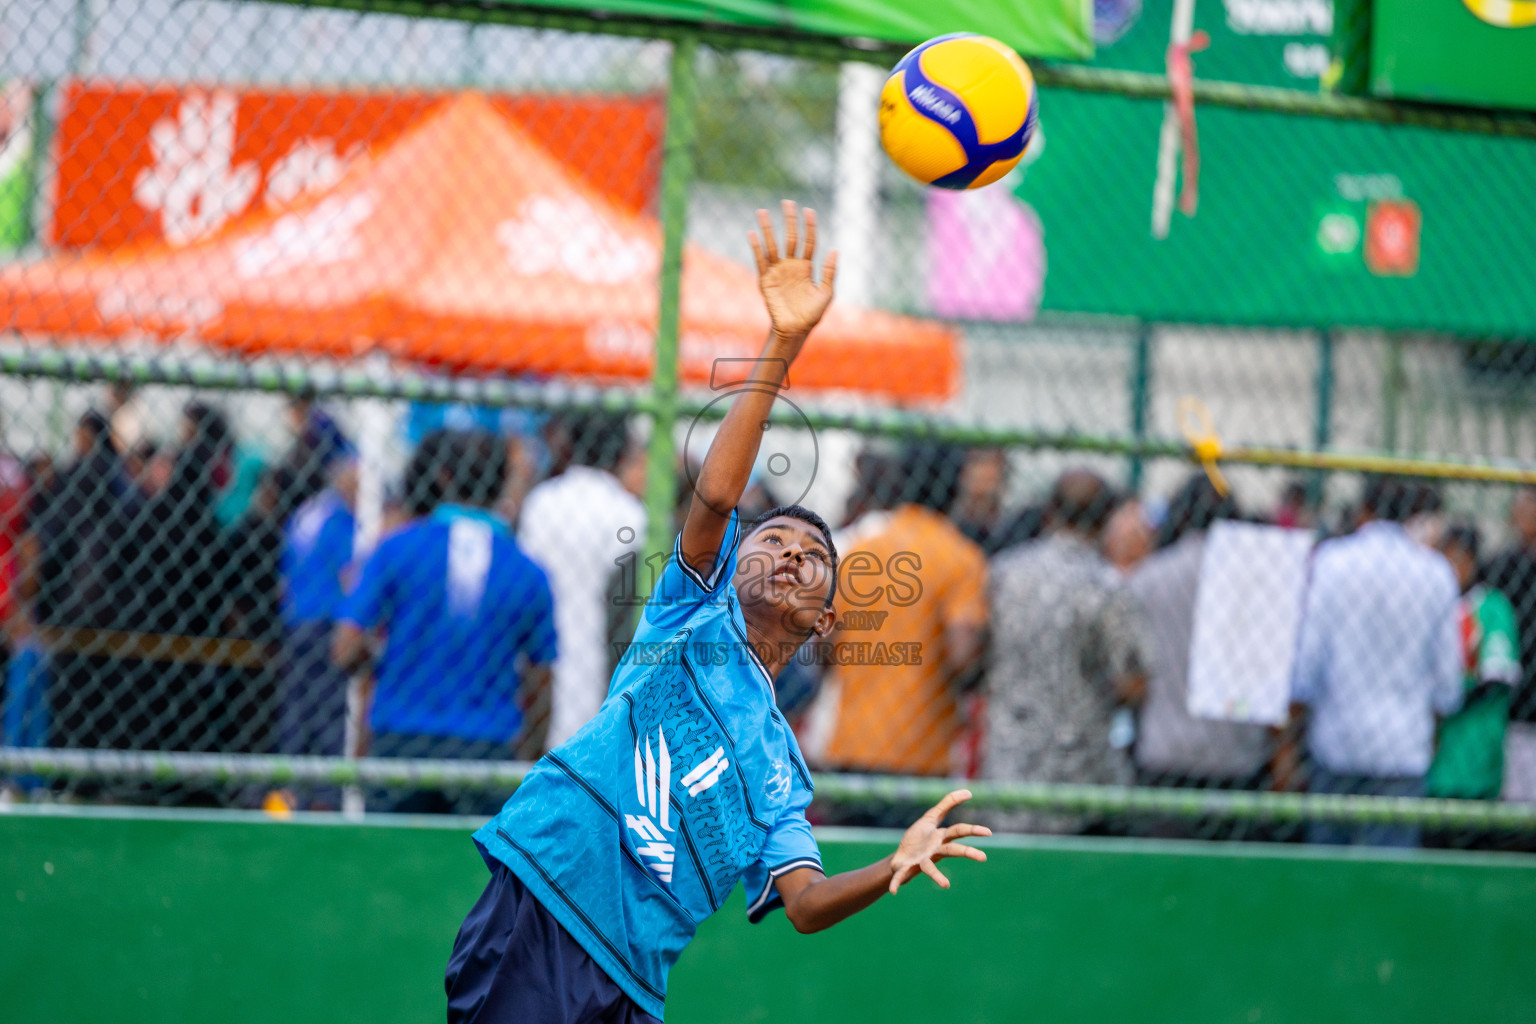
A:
[312,166]
[193,182]
[325,234]
[568,235]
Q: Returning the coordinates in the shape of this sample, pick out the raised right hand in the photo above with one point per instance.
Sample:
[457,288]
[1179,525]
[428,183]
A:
[795,301]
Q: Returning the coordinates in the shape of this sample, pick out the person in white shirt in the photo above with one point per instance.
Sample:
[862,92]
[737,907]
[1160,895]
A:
[1173,746]
[1378,659]
[578,525]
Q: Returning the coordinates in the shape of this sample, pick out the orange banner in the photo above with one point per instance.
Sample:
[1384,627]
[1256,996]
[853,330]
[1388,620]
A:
[140,163]
[464,243]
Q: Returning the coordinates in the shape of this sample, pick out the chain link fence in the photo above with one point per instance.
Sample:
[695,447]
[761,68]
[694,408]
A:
[336,469]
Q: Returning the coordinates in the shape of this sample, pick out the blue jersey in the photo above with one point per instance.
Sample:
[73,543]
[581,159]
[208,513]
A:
[317,547]
[687,781]
[460,602]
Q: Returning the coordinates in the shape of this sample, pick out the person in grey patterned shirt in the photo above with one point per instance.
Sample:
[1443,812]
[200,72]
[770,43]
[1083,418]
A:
[1070,648]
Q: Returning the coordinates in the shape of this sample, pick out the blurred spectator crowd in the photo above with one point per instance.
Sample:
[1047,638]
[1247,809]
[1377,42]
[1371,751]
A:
[193,596]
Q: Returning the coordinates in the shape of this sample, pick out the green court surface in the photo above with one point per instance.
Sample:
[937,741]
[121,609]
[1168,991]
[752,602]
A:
[234,918]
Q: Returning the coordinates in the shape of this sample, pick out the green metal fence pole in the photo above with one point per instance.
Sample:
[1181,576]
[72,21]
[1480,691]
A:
[43,101]
[1350,72]
[676,174]
[1322,426]
[42,135]
[34,218]
[1391,393]
[1141,384]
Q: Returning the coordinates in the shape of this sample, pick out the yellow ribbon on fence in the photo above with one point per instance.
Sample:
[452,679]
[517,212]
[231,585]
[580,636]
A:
[1200,432]
[1206,448]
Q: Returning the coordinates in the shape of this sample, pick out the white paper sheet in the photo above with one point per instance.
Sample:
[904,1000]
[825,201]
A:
[1247,615]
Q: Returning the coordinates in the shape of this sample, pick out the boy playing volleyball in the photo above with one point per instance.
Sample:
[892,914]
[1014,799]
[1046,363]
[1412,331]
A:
[623,839]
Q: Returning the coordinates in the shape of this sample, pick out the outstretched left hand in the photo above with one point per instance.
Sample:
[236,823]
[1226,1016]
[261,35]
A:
[928,840]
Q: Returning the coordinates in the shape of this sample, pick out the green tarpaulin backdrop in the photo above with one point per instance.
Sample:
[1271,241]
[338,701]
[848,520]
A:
[1039,28]
[1440,50]
[1286,203]
[186,921]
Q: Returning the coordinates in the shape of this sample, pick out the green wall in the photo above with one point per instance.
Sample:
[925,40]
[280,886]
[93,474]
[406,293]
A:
[204,919]
[1286,202]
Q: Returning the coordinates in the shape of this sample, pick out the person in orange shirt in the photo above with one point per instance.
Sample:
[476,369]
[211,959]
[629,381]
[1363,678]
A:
[912,621]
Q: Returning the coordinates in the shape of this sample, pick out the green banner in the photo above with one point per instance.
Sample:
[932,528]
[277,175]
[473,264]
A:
[1038,28]
[1300,221]
[15,166]
[1480,52]
[14,206]
[175,918]
[1256,42]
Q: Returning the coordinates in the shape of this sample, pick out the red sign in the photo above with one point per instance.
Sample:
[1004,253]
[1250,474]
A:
[1392,238]
[144,163]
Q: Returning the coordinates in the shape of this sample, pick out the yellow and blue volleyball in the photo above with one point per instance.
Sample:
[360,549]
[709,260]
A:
[958,111]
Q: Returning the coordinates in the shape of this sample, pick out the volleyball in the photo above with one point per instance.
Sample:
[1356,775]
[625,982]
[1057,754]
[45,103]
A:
[958,111]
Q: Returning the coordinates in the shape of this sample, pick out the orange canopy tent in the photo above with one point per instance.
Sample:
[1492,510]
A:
[463,244]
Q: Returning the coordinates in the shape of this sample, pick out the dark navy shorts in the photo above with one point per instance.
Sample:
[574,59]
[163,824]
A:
[513,963]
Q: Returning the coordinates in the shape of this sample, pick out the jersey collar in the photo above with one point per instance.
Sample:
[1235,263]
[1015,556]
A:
[449,512]
[739,624]
[763,669]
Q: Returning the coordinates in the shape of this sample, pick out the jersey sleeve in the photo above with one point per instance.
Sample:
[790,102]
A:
[965,601]
[1314,644]
[681,589]
[1499,655]
[368,603]
[790,846]
[1123,636]
[1447,659]
[539,644]
[336,542]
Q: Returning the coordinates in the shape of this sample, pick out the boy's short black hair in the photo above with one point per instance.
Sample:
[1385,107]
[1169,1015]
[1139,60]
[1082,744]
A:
[97,425]
[1081,500]
[597,439]
[423,483]
[477,468]
[1195,506]
[1391,498]
[926,473]
[467,468]
[805,515]
[1462,535]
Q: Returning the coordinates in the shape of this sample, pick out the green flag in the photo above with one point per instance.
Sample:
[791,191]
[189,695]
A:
[15,167]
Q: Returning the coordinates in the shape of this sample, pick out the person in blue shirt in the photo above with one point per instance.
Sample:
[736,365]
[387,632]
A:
[318,441]
[468,618]
[688,780]
[317,551]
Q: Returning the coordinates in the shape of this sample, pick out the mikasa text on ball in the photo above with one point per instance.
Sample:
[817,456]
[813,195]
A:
[958,111]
